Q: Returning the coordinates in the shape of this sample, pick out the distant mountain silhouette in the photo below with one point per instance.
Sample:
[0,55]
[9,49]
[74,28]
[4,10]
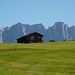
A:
[59,31]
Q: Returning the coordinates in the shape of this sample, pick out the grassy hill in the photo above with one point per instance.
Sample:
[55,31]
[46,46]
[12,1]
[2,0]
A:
[56,58]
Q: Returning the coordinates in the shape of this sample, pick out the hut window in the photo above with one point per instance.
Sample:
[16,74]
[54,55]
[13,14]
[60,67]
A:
[32,37]
[38,36]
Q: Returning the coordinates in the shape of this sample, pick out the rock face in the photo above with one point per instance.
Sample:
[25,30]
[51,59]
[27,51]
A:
[12,33]
[71,33]
[59,31]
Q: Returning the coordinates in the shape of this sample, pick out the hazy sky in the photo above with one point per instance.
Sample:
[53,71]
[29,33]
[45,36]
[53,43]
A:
[31,12]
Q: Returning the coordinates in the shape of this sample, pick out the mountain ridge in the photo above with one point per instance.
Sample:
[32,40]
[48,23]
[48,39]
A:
[59,31]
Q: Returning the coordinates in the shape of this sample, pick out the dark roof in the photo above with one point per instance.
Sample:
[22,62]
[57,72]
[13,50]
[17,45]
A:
[36,33]
[30,35]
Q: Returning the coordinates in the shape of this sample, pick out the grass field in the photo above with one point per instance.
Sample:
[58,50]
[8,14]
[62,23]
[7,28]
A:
[56,58]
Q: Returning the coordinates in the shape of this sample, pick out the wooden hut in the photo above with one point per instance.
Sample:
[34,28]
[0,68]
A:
[31,38]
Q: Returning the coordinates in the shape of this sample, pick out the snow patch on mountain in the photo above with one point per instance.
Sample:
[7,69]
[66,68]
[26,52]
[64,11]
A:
[23,30]
[1,30]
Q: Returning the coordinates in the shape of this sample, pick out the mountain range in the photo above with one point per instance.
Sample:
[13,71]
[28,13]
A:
[59,32]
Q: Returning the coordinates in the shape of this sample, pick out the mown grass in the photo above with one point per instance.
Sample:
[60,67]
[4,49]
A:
[56,58]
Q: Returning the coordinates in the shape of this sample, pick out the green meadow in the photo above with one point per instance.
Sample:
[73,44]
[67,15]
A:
[57,58]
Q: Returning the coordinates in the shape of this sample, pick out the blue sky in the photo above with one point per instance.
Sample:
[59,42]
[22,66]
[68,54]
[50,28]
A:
[31,12]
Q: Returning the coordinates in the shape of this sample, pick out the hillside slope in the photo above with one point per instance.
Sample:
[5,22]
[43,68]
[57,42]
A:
[38,59]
